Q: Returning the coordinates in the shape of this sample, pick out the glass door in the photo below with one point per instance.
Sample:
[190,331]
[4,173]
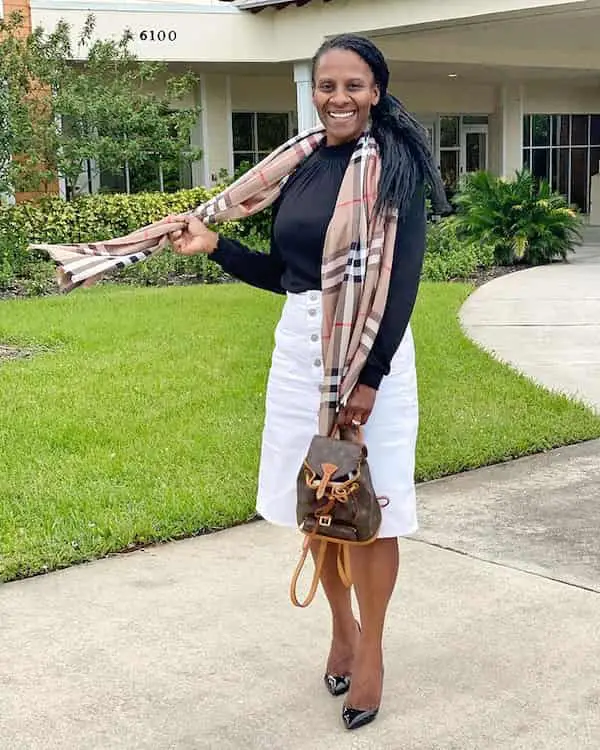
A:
[449,152]
[474,149]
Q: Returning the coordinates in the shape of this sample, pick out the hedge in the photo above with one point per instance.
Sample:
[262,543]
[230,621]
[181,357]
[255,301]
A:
[96,217]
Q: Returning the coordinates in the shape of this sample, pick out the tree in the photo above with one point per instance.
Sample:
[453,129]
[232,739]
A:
[61,107]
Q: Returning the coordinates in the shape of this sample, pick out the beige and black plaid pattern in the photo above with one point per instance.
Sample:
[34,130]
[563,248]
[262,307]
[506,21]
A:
[357,257]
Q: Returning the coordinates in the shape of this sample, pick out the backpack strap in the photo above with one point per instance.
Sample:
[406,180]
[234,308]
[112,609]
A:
[343,564]
[343,567]
[316,577]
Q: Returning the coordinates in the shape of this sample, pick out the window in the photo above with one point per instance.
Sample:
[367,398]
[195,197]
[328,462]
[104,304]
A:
[256,134]
[450,152]
[565,151]
[475,119]
[459,144]
[150,175]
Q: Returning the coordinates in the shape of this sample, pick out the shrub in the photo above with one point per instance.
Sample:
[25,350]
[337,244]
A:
[253,228]
[98,217]
[450,257]
[522,219]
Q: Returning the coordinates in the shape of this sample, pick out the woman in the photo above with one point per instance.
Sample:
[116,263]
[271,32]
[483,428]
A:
[350,79]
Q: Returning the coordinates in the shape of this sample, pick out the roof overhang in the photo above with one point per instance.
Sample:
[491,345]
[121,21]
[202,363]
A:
[255,6]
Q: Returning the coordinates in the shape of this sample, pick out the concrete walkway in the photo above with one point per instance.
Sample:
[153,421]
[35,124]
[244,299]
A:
[492,643]
[493,636]
[545,322]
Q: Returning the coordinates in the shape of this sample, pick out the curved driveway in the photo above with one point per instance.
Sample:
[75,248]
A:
[545,322]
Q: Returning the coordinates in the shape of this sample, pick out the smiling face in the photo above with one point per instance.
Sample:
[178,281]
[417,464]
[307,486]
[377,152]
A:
[344,90]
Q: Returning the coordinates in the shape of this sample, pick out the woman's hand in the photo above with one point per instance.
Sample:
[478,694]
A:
[195,238]
[359,407]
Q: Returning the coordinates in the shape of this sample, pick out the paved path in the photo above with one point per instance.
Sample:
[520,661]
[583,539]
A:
[492,643]
[545,322]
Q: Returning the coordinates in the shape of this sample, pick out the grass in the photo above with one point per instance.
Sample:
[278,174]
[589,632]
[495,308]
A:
[140,419]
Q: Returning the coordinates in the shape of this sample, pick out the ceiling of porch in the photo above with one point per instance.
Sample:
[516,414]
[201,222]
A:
[550,42]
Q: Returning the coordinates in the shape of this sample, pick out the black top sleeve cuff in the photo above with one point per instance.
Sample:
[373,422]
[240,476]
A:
[224,250]
[371,375]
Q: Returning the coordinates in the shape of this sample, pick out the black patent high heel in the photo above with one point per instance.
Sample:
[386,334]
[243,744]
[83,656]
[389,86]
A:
[355,718]
[338,684]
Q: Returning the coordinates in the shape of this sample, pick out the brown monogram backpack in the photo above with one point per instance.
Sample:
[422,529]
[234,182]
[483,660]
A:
[336,504]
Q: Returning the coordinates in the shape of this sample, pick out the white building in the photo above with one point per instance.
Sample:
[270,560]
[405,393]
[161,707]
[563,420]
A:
[498,83]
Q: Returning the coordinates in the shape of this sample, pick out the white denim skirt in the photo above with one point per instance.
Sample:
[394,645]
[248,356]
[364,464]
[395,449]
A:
[292,408]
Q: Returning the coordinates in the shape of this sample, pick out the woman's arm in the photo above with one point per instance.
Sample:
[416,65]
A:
[261,270]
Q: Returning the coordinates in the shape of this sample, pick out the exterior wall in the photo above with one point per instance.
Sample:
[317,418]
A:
[263,94]
[189,100]
[209,30]
[10,6]
[454,97]
[561,99]
[555,98]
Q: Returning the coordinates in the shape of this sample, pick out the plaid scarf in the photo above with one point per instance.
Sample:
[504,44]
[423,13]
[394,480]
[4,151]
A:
[357,257]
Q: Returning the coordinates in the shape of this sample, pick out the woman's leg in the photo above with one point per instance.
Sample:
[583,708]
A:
[374,574]
[345,630]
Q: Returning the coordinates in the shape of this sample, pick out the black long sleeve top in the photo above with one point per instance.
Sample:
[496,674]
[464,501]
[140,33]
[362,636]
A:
[301,217]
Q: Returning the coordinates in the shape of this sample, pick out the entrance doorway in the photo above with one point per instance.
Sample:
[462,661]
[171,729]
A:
[459,144]
[474,148]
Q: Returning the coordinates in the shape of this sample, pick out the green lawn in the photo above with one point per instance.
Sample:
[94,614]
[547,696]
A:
[141,420]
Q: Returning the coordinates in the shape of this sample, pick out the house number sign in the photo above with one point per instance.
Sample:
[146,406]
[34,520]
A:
[157,35]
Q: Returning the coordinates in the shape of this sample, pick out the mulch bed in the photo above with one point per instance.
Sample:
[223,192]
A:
[489,274]
[19,291]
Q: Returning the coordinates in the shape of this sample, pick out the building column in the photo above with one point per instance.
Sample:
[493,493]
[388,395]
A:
[495,141]
[213,133]
[511,110]
[307,115]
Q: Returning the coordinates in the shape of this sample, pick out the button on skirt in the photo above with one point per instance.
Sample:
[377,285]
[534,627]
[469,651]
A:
[291,421]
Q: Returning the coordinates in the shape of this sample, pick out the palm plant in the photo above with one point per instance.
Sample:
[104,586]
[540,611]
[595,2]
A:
[522,219]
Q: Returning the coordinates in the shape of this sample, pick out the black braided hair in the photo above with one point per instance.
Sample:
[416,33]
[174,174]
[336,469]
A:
[405,152]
